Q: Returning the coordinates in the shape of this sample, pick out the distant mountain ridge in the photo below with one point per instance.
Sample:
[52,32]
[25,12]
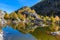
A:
[47,7]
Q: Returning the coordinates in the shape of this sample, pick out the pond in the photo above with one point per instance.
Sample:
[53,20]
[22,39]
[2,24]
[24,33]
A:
[12,34]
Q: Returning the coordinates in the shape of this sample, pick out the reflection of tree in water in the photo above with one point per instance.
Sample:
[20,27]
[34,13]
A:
[23,27]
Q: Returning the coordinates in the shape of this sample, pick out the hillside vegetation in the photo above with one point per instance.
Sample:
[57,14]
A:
[26,20]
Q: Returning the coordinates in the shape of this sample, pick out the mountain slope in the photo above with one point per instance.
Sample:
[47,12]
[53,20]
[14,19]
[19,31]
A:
[47,7]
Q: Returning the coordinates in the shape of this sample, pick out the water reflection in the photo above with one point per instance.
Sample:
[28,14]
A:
[11,34]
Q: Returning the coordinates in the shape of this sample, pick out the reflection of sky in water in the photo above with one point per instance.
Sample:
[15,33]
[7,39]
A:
[11,34]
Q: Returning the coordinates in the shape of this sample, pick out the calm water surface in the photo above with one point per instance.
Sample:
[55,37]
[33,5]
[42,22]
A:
[11,34]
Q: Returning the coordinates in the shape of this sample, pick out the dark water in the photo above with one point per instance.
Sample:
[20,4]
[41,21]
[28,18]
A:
[11,34]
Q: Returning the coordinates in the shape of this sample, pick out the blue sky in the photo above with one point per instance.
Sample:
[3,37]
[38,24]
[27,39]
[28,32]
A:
[12,5]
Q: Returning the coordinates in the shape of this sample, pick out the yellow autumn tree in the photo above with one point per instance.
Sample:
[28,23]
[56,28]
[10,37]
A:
[52,26]
[26,9]
[22,17]
[14,15]
[6,16]
[57,18]
[32,11]
[52,19]
[20,11]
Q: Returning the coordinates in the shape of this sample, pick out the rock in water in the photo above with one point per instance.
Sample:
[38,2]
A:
[1,35]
